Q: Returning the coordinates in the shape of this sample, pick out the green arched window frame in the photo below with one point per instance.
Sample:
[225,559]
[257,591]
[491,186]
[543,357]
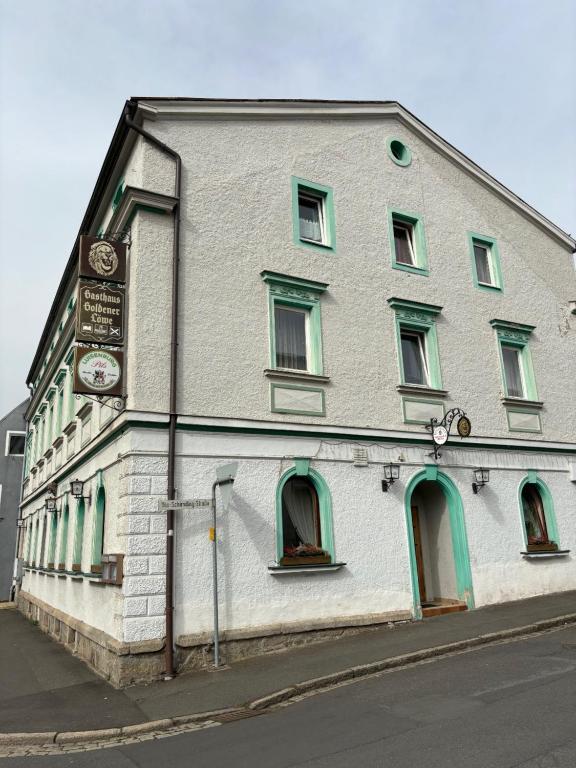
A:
[53,537]
[302,469]
[549,513]
[35,541]
[78,536]
[63,537]
[98,531]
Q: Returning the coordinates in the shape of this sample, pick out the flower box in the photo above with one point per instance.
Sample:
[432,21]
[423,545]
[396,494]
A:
[306,560]
[548,546]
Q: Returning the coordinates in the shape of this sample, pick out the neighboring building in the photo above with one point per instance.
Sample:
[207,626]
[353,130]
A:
[345,275]
[12,440]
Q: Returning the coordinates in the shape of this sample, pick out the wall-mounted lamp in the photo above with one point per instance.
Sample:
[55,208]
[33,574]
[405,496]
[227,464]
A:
[481,478]
[391,473]
[77,490]
[50,505]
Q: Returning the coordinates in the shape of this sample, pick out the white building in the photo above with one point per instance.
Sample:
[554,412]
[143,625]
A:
[344,275]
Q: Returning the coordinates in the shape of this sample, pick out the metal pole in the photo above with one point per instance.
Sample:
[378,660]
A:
[215,577]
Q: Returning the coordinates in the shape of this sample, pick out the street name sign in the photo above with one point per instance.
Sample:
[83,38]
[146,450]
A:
[166,504]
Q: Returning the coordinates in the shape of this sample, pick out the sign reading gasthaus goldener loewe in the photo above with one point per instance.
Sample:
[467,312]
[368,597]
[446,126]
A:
[98,371]
[102,259]
[100,313]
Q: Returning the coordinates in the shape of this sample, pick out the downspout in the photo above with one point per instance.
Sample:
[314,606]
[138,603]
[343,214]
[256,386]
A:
[16,577]
[169,652]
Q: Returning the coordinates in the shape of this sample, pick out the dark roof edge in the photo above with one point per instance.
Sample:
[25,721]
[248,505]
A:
[108,165]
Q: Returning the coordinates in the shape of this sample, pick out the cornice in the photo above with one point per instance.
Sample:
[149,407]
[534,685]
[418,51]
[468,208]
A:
[133,199]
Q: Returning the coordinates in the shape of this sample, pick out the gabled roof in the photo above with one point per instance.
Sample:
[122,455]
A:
[183,108]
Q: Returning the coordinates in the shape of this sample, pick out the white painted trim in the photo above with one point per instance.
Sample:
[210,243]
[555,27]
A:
[9,434]
[169,109]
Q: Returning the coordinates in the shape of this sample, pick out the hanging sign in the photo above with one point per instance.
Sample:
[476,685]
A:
[440,431]
[102,259]
[98,371]
[100,313]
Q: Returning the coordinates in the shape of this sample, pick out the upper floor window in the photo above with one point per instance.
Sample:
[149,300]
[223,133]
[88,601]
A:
[486,269]
[313,214]
[408,242]
[15,443]
[516,361]
[417,343]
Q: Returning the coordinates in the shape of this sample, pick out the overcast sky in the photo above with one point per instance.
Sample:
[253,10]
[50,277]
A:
[496,78]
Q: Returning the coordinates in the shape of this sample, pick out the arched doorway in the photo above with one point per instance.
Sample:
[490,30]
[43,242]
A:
[439,560]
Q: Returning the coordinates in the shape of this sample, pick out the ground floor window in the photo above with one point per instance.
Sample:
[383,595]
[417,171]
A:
[538,534]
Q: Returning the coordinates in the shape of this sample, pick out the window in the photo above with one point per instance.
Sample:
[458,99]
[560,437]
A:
[63,538]
[485,256]
[516,363]
[313,215]
[304,518]
[15,443]
[398,152]
[98,532]
[538,516]
[417,343]
[78,537]
[407,242]
[295,332]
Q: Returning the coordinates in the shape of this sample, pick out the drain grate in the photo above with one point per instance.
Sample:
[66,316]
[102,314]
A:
[238,714]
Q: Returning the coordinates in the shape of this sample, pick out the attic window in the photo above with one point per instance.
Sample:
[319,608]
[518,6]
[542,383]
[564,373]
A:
[399,152]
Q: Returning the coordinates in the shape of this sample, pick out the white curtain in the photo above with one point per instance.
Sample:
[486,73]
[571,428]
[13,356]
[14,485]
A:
[310,228]
[511,359]
[290,339]
[297,499]
[482,265]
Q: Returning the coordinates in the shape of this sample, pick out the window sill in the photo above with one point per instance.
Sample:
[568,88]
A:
[282,570]
[70,428]
[537,405]
[538,555]
[411,268]
[280,373]
[420,389]
[316,245]
[488,287]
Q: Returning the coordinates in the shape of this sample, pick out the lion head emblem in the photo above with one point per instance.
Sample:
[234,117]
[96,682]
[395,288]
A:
[103,259]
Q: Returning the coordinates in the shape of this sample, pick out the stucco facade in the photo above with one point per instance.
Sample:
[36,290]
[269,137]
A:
[240,257]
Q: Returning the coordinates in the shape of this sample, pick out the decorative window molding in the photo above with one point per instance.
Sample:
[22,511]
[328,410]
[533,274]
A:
[486,267]
[398,152]
[297,399]
[517,373]
[303,297]
[322,511]
[319,231]
[417,345]
[537,516]
[407,242]
[420,410]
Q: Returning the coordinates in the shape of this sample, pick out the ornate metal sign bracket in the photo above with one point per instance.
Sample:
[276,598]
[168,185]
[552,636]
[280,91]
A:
[117,404]
[440,430]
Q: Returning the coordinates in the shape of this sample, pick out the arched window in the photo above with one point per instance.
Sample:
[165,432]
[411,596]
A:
[538,516]
[304,520]
[63,539]
[98,532]
[78,537]
[53,536]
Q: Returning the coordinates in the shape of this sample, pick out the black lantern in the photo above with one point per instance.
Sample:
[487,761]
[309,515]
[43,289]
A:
[481,478]
[50,505]
[77,490]
[391,473]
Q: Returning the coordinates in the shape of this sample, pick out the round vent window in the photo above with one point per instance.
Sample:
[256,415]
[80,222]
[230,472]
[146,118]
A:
[399,152]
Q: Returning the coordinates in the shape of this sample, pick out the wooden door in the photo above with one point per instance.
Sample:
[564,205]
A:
[419,554]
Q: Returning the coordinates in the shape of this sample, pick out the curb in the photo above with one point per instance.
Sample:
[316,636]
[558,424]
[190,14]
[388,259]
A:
[47,738]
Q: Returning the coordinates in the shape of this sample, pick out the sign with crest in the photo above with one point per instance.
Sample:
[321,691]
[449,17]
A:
[100,313]
[98,371]
[102,259]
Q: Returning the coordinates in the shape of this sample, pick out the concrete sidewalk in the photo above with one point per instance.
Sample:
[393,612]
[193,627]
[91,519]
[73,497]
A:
[44,688]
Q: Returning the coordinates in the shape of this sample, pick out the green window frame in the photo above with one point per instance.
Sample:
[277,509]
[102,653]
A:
[516,336]
[302,469]
[553,542]
[413,225]
[412,317]
[98,531]
[78,536]
[63,550]
[118,192]
[53,538]
[493,256]
[327,221]
[295,293]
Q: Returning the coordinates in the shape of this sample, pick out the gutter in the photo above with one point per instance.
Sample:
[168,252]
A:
[173,416]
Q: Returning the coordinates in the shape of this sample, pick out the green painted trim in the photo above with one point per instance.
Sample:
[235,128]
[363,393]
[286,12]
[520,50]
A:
[79,532]
[325,508]
[427,401]
[141,208]
[327,196]
[418,317]
[458,534]
[431,471]
[302,294]
[53,537]
[302,466]
[494,255]
[503,326]
[516,335]
[421,254]
[523,429]
[63,551]
[98,526]
[548,502]
[406,160]
[118,192]
[60,376]
[274,386]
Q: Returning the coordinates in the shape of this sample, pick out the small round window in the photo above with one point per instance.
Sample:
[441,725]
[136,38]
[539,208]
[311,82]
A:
[399,152]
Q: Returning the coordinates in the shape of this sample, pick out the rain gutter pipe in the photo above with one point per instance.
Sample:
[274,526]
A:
[169,650]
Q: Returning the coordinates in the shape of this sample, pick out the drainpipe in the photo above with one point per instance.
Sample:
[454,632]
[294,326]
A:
[169,653]
[16,576]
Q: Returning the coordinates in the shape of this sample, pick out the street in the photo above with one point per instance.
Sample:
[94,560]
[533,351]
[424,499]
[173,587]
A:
[504,706]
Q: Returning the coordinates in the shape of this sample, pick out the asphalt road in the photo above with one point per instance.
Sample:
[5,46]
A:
[506,706]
